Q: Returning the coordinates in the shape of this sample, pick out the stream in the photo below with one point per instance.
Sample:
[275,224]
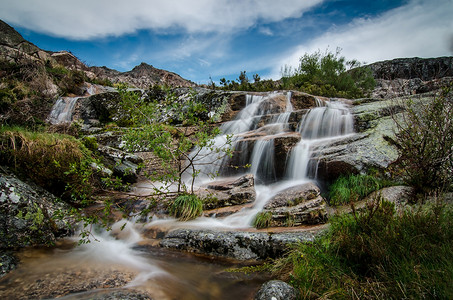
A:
[124,261]
[129,261]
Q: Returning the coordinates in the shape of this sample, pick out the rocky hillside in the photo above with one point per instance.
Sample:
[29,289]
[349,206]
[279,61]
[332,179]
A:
[15,49]
[142,76]
[409,76]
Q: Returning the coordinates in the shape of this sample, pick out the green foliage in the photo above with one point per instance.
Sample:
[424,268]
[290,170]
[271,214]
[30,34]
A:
[186,207]
[425,141]
[262,220]
[59,163]
[351,188]
[376,254]
[90,143]
[329,75]
[323,74]
[171,128]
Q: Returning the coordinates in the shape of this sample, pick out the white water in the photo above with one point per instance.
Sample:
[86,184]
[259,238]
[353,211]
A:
[62,110]
[329,120]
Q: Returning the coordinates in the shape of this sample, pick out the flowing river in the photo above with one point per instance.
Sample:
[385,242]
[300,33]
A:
[130,259]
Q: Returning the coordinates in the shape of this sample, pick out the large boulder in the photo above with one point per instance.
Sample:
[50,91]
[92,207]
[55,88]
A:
[28,214]
[237,245]
[298,205]
[277,290]
[228,192]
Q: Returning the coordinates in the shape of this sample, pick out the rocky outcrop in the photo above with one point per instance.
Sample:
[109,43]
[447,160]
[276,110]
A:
[371,146]
[277,290]
[14,48]
[410,76]
[298,205]
[27,214]
[237,245]
[228,192]
[407,68]
[124,165]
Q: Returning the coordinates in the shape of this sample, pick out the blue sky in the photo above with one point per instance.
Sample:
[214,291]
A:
[199,39]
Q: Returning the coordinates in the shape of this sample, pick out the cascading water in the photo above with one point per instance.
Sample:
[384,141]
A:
[254,145]
[329,120]
[62,110]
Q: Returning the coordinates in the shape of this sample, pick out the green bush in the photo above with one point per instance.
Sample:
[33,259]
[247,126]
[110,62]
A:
[186,207]
[425,141]
[376,254]
[329,75]
[352,188]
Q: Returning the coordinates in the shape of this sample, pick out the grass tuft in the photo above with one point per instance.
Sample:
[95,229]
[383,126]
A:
[262,219]
[186,207]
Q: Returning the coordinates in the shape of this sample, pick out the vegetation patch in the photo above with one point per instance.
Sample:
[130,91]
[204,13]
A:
[262,220]
[351,188]
[59,163]
[425,141]
[186,207]
[376,254]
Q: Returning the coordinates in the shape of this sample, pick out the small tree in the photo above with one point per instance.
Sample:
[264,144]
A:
[171,129]
[425,141]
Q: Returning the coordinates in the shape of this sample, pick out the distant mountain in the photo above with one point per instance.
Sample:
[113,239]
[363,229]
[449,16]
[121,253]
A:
[14,47]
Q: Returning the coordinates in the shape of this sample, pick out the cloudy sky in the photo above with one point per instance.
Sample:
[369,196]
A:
[199,39]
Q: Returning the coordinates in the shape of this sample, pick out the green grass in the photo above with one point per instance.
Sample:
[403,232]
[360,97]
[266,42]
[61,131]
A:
[186,207]
[354,187]
[57,162]
[377,254]
[262,219]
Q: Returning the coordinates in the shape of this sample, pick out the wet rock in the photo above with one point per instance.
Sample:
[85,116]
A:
[301,100]
[297,205]
[228,192]
[371,147]
[277,290]
[275,149]
[8,262]
[237,245]
[125,165]
[27,214]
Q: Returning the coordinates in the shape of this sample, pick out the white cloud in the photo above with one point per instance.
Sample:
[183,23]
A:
[419,28]
[88,19]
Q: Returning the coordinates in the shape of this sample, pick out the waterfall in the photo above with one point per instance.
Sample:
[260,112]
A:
[254,145]
[62,110]
[328,120]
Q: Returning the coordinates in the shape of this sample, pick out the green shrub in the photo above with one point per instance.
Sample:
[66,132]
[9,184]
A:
[262,219]
[425,141]
[377,254]
[186,207]
[352,188]
[329,75]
